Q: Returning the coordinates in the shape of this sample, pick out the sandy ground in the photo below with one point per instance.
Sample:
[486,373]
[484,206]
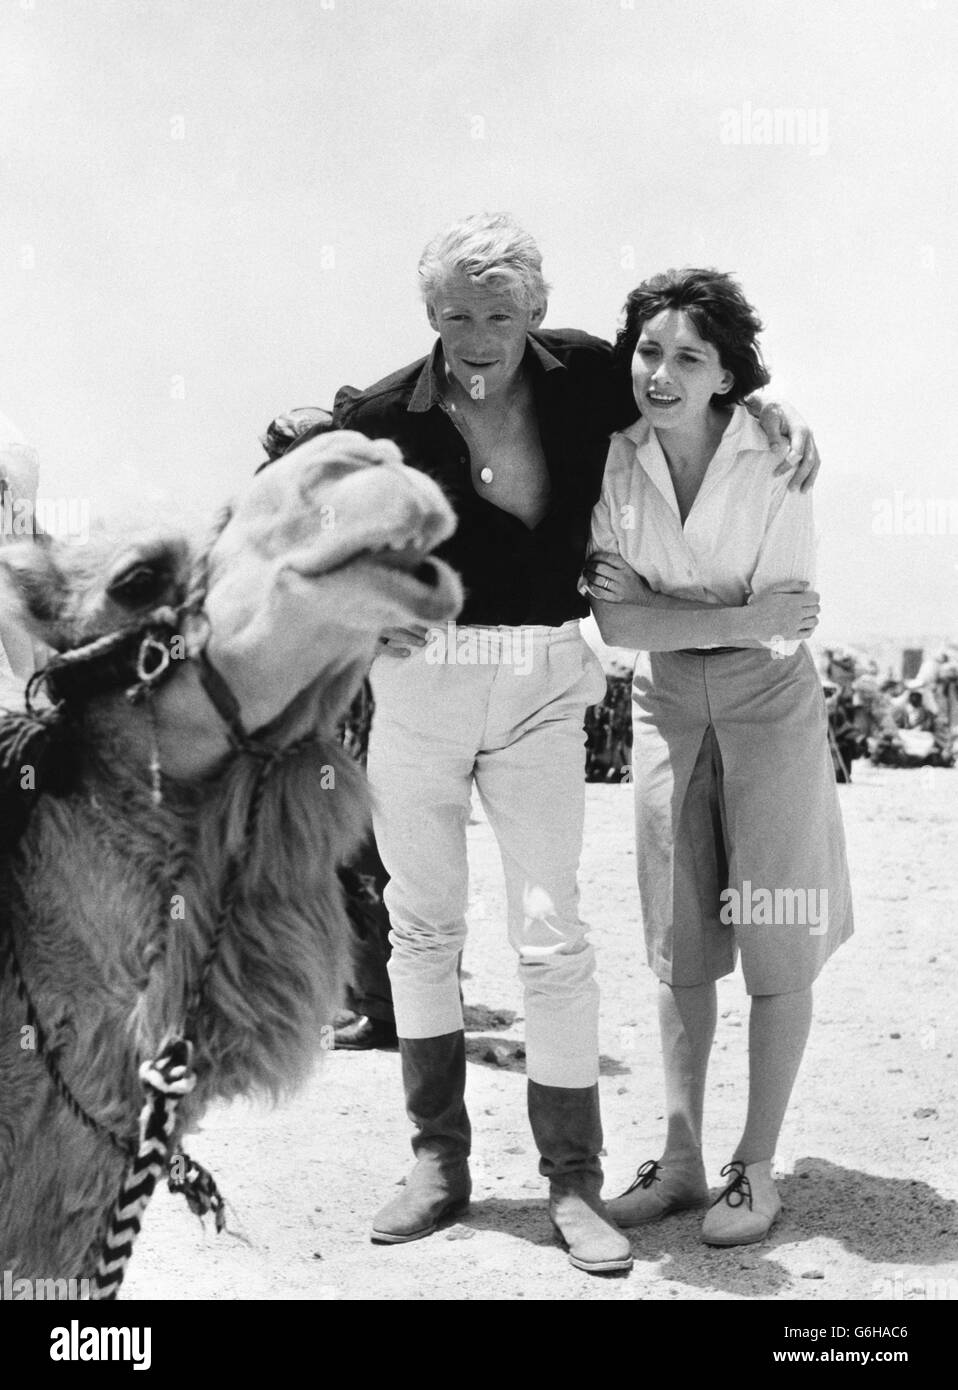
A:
[869,1175]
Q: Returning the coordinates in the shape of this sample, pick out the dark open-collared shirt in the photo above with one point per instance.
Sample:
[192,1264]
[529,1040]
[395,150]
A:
[512,574]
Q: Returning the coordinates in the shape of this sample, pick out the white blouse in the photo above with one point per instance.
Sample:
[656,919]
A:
[744,533]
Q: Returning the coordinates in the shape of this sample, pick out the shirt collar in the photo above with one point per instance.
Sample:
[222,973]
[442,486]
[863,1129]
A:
[743,434]
[427,391]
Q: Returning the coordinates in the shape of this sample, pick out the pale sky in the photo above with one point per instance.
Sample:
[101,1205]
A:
[212,210]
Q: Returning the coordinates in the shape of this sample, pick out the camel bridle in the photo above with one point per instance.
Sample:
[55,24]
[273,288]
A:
[138,659]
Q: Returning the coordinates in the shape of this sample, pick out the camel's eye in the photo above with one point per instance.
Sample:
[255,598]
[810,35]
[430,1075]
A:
[141,583]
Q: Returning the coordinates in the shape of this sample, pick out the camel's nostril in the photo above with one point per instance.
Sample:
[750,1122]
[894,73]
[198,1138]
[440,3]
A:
[437,525]
[427,574]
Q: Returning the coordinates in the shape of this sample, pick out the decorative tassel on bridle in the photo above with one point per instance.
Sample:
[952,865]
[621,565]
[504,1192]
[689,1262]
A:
[165,1081]
[186,1176]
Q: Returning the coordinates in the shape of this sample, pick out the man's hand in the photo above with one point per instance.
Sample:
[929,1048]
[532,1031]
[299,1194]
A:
[399,641]
[610,578]
[786,611]
[790,437]
[283,432]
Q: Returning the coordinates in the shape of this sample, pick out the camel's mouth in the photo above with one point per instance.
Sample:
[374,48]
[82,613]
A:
[400,565]
[428,587]
[400,549]
[410,559]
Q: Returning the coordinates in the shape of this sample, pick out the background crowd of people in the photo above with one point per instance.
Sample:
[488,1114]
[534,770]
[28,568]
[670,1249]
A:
[872,714]
[899,722]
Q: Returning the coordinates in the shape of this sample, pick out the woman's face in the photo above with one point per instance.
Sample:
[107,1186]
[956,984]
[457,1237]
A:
[675,373]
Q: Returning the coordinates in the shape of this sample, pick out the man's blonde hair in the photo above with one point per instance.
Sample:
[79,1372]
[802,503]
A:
[493,251]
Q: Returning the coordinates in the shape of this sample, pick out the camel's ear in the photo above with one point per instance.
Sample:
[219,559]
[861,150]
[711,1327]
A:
[33,585]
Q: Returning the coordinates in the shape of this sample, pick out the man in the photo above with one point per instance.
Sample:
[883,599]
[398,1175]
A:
[513,420]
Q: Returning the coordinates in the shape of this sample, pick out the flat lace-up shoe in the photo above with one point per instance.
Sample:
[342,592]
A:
[745,1210]
[657,1191]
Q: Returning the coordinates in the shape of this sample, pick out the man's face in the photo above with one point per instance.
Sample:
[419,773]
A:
[483,334]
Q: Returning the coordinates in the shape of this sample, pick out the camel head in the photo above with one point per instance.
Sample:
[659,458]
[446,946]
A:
[321,552]
[327,547]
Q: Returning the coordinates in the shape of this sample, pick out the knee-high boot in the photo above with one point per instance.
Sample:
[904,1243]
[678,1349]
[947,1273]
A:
[434,1077]
[568,1134]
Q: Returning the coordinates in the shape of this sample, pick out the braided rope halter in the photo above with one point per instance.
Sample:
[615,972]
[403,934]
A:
[170,1077]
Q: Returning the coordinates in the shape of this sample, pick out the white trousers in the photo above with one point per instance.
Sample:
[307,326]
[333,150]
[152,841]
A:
[515,727]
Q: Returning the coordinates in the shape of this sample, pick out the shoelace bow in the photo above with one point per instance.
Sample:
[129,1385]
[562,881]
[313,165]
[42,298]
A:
[645,1176]
[739,1189]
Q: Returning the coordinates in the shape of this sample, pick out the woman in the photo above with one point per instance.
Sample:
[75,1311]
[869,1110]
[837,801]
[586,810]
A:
[702,560]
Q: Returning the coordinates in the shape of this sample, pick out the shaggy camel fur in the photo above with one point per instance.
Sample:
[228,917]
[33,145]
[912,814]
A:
[108,898]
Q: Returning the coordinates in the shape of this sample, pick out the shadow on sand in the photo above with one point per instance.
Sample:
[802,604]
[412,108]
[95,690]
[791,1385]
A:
[509,1054]
[881,1220]
[526,1221]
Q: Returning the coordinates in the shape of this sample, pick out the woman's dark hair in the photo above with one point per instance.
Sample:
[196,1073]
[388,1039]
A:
[719,313]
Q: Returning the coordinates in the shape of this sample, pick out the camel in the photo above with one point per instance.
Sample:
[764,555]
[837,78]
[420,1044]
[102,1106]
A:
[172,818]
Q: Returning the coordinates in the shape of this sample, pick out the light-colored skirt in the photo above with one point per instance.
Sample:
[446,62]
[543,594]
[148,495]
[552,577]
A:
[740,844]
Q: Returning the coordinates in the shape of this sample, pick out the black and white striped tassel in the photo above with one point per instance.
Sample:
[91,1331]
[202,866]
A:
[198,1186]
[165,1081]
